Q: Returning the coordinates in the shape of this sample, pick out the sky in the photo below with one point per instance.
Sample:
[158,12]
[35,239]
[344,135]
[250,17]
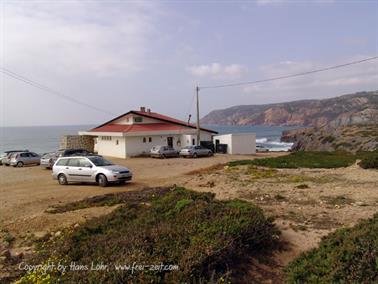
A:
[120,55]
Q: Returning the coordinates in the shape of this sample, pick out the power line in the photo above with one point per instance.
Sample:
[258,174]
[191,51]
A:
[289,76]
[49,90]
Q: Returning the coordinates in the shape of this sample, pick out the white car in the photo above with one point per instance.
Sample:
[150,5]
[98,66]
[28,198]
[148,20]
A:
[89,169]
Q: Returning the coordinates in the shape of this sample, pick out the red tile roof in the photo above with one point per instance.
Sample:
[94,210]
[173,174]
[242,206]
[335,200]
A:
[168,123]
[143,127]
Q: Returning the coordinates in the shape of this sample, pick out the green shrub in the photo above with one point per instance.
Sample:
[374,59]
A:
[345,256]
[369,162]
[199,234]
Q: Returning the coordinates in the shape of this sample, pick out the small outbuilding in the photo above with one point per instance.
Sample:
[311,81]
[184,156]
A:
[237,143]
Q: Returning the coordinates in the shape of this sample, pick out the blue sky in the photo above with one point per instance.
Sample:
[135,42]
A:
[119,55]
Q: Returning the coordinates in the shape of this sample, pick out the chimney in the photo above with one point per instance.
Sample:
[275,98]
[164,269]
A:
[142,109]
[149,110]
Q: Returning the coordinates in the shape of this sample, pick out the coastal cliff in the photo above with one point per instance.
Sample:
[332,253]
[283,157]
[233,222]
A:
[351,138]
[355,108]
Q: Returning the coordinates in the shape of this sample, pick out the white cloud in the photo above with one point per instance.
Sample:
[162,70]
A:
[273,2]
[72,37]
[217,70]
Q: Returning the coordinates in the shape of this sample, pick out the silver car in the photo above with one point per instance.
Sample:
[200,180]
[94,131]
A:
[20,159]
[195,151]
[5,157]
[163,152]
[89,169]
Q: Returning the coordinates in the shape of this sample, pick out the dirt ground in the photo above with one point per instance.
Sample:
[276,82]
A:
[306,203]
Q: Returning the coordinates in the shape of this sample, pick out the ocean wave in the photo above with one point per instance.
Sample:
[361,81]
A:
[262,140]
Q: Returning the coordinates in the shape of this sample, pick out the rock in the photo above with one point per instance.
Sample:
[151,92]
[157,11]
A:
[76,225]
[58,233]
[360,203]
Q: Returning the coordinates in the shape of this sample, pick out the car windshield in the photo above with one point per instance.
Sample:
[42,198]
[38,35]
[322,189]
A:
[99,161]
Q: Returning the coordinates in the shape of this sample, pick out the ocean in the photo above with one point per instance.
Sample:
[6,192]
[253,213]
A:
[41,139]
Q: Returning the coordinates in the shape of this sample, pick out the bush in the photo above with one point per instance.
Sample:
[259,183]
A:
[345,256]
[199,234]
[370,162]
[303,159]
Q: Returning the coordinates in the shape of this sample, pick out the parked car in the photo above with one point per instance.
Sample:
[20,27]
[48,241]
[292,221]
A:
[20,159]
[48,159]
[163,152]
[261,149]
[195,151]
[5,157]
[89,169]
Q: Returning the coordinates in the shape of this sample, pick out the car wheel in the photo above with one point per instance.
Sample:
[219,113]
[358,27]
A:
[195,155]
[102,180]
[19,164]
[210,154]
[164,156]
[62,179]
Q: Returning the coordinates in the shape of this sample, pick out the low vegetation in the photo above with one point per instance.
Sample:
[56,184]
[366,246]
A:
[345,256]
[303,159]
[198,236]
[369,162]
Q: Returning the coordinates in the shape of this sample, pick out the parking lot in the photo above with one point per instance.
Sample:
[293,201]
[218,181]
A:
[27,192]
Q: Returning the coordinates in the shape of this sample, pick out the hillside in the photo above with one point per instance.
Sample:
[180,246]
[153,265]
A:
[352,138]
[355,108]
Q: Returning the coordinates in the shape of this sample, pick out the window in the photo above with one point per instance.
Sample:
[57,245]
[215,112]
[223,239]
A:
[84,163]
[62,162]
[149,139]
[144,139]
[117,142]
[138,119]
[73,162]
[106,138]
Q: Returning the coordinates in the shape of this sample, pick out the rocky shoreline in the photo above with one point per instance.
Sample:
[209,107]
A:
[351,138]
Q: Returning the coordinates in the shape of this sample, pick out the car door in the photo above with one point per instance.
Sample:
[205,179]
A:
[86,170]
[72,169]
[34,158]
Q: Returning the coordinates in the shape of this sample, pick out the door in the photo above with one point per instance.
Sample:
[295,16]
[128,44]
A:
[170,142]
[86,170]
[72,169]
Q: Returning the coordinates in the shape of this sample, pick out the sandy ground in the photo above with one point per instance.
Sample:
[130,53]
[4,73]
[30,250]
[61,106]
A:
[306,203]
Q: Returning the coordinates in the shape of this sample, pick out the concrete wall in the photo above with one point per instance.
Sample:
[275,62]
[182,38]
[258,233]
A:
[77,141]
[115,147]
[130,146]
[238,143]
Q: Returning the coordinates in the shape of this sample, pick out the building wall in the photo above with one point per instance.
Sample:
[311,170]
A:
[109,147]
[130,146]
[238,143]
[78,142]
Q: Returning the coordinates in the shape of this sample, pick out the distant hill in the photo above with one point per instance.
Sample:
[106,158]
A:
[358,137]
[361,107]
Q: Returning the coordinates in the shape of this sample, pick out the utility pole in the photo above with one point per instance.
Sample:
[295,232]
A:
[198,118]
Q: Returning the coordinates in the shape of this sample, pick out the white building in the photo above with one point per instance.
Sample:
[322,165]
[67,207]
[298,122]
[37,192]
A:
[237,143]
[136,132]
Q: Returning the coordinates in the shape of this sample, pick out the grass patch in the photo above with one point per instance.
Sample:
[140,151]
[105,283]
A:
[303,160]
[260,173]
[201,235]
[345,256]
